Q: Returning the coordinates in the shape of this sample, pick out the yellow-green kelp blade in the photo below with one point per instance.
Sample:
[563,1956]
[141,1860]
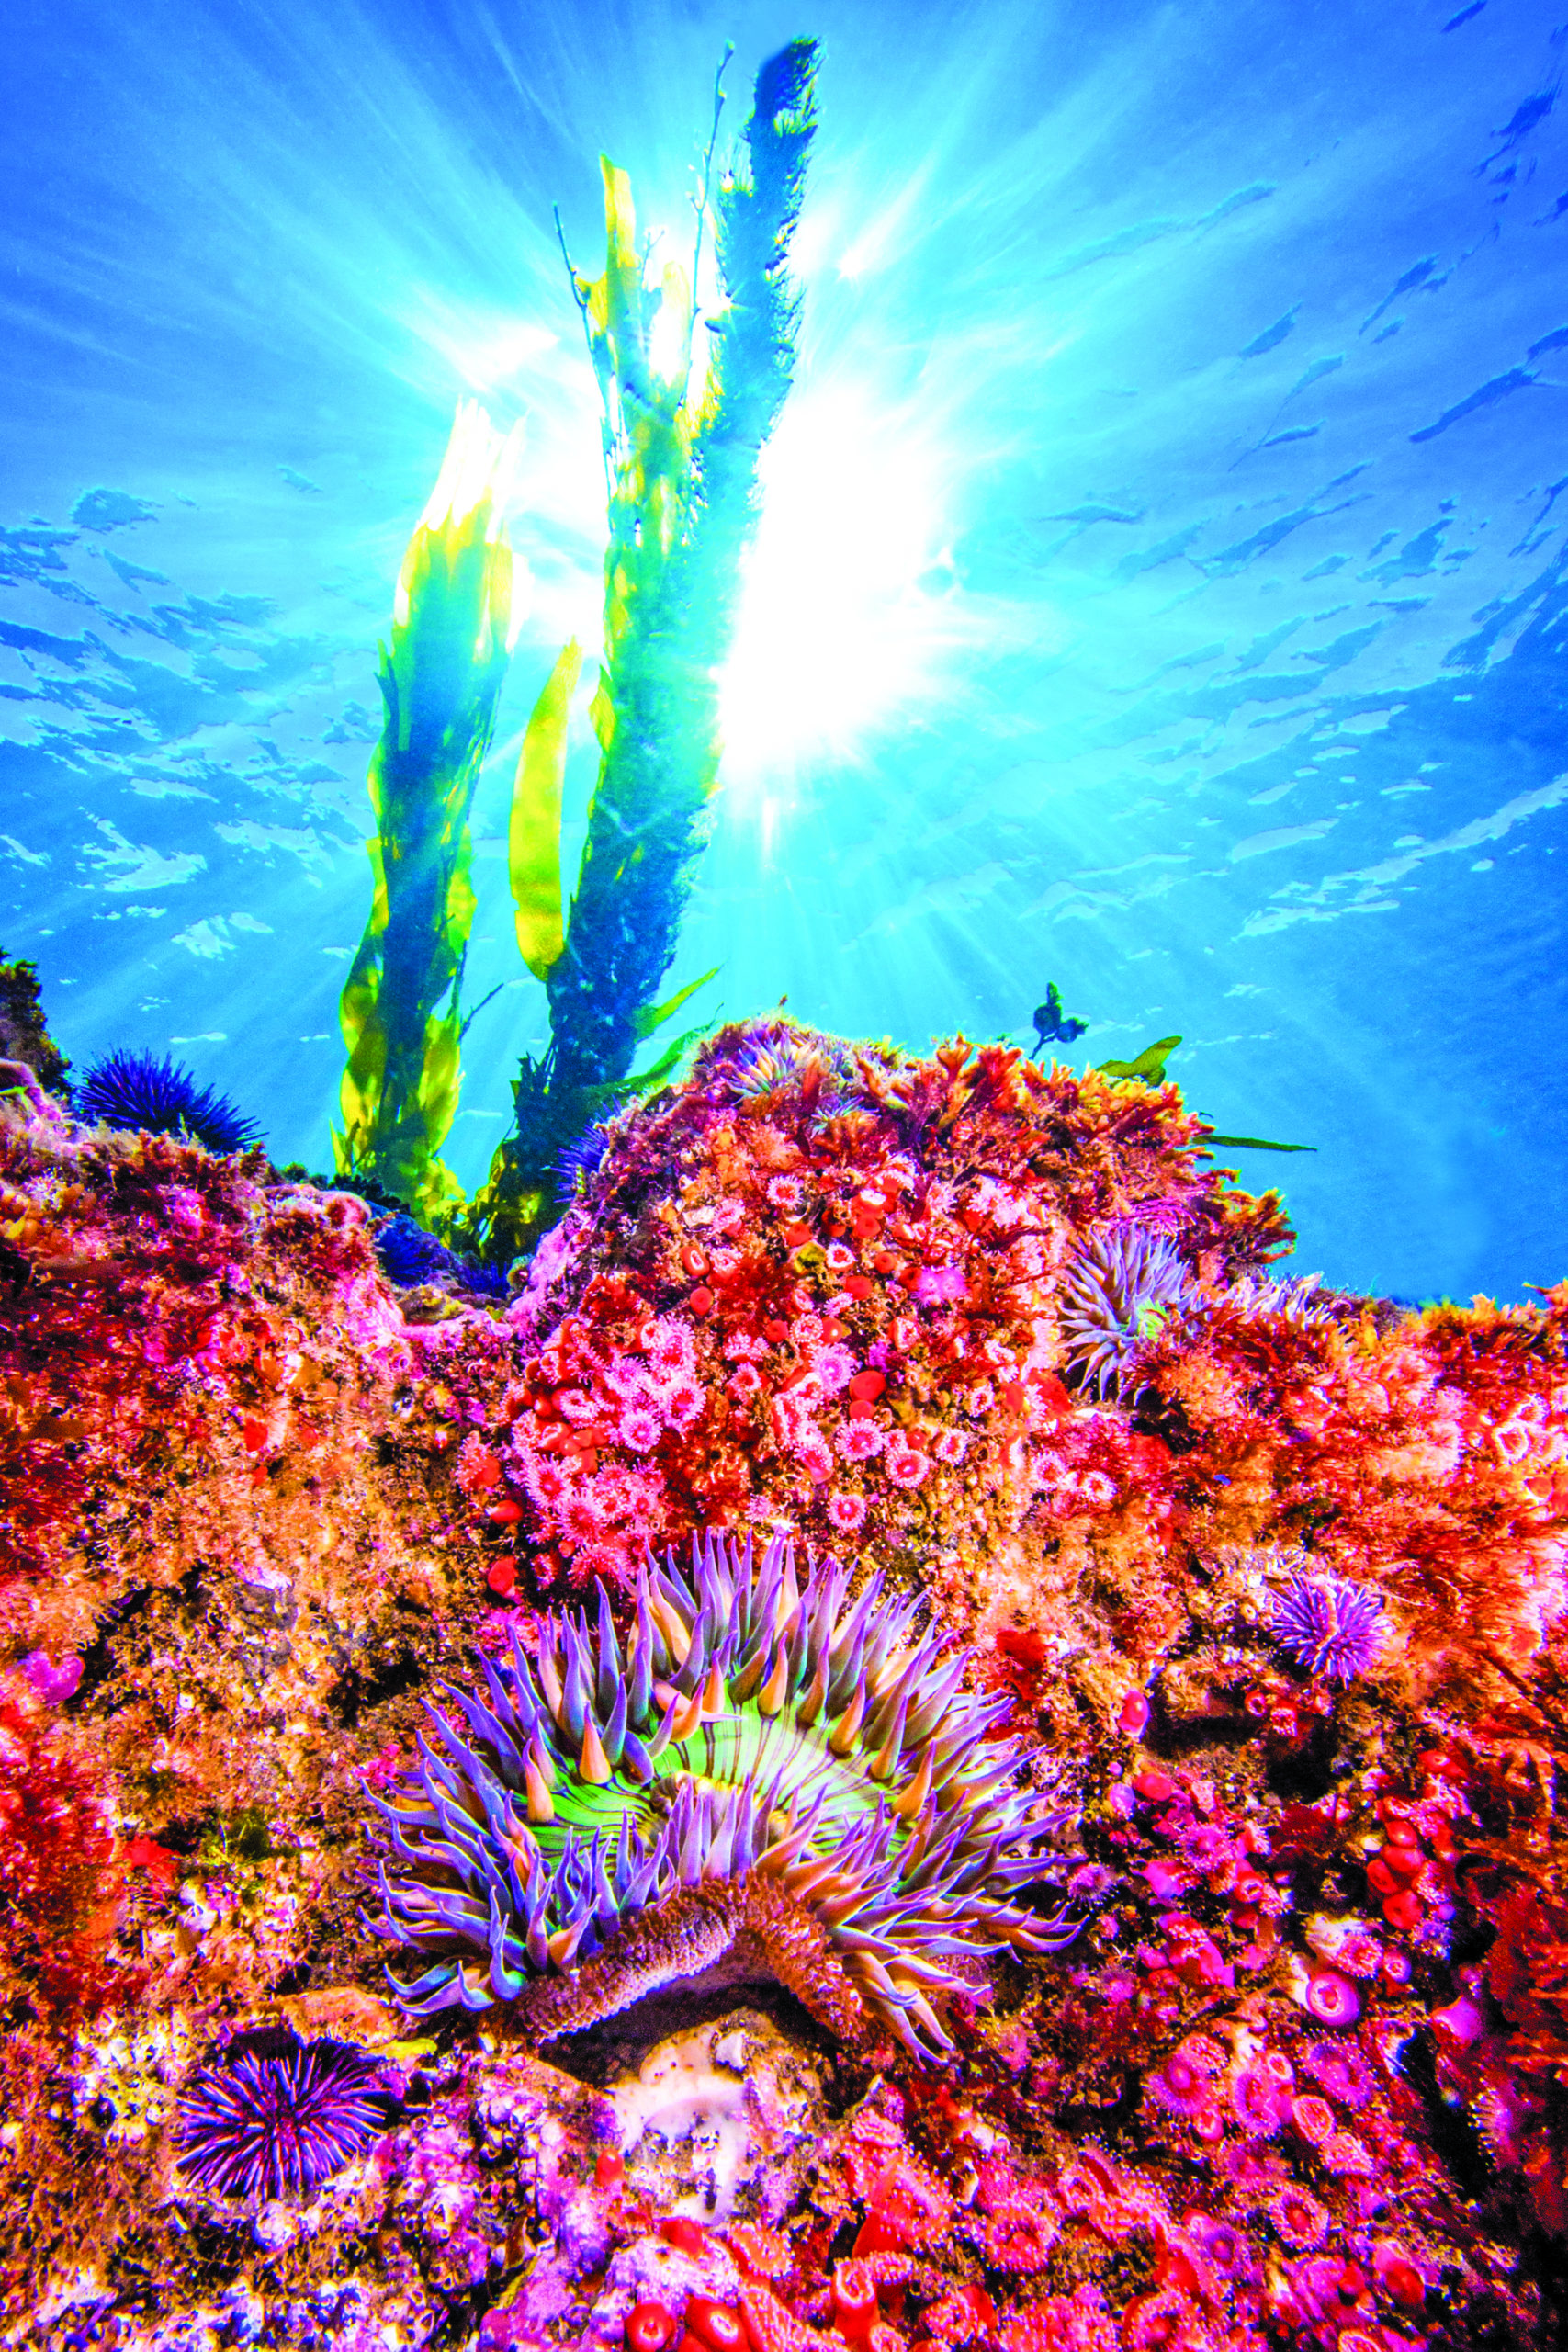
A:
[533,838]
[1149,1066]
[1256,1143]
[654,1016]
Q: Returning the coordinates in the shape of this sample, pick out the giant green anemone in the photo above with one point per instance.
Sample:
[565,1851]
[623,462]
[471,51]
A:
[776,1780]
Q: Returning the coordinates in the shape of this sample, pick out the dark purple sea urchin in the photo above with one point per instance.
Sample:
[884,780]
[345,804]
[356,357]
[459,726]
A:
[779,1780]
[155,1093]
[279,2117]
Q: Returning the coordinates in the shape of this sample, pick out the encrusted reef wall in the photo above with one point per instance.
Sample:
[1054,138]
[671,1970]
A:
[1273,1577]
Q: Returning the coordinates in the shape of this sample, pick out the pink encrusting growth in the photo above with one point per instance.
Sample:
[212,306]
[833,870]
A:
[1298,2077]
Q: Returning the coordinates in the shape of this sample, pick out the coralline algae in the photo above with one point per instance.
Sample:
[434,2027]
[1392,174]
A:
[1299,2079]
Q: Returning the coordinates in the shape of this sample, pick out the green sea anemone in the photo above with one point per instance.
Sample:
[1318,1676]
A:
[778,1781]
[1118,1290]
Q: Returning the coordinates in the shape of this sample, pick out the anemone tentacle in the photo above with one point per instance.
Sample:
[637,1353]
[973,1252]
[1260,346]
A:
[765,1751]
[1117,1291]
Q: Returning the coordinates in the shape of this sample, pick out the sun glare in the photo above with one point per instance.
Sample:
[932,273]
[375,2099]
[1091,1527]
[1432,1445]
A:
[845,611]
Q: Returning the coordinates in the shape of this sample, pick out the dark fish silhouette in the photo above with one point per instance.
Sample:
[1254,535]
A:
[1051,1023]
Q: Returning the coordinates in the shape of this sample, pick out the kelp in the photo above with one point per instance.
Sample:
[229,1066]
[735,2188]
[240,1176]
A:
[1148,1067]
[682,447]
[439,676]
[1149,1070]
[682,452]
[532,848]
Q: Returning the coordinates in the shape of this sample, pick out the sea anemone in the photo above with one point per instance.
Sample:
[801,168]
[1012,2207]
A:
[1341,2069]
[1021,2238]
[778,1781]
[1313,2116]
[1295,1300]
[638,1429]
[1332,1998]
[155,1093]
[859,1440]
[1225,2248]
[1183,2086]
[1261,2102]
[765,1058]
[1299,2219]
[281,2115]
[757,1061]
[1333,1629]
[1117,1291]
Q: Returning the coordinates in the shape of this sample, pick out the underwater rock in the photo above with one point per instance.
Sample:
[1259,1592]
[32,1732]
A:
[1299,2078]
[24,1032]
[716,2121]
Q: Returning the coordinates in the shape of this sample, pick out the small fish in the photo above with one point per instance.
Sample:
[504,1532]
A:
[1051,1023]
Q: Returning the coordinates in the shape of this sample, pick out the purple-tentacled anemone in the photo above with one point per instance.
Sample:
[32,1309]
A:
[777,1781]
[1117,1290]
[1332,1628]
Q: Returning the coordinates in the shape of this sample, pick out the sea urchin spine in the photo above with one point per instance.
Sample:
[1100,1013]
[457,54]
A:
[279,2117]
[155,1093]
[778,1779]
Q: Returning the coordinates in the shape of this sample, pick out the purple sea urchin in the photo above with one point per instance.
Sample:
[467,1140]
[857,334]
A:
[778,1781]
[578,1160]
[1116,1292]
[279,2117]
[155,1093]
[1332,1628]
[408,1254]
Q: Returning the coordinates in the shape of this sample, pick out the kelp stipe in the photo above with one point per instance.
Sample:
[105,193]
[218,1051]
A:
[439,678]
[682,460]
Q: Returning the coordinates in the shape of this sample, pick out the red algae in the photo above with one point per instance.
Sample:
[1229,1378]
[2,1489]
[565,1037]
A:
[1300,2079]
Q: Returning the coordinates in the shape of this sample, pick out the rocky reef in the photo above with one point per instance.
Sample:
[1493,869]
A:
[1180,1842]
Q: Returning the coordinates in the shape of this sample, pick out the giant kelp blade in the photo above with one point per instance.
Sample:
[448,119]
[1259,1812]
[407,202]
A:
[1258,1143]
[643,1081]
[682,463]
[533,836]
[654,1016]
[1149,1066]
[440,676]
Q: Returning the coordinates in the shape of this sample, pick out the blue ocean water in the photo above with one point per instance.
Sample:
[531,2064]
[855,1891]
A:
[1160,588]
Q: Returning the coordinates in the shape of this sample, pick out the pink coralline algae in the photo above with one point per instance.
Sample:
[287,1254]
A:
[1264,1589]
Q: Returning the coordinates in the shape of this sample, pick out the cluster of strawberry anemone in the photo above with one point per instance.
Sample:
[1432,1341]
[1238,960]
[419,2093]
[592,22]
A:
[778,1777]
